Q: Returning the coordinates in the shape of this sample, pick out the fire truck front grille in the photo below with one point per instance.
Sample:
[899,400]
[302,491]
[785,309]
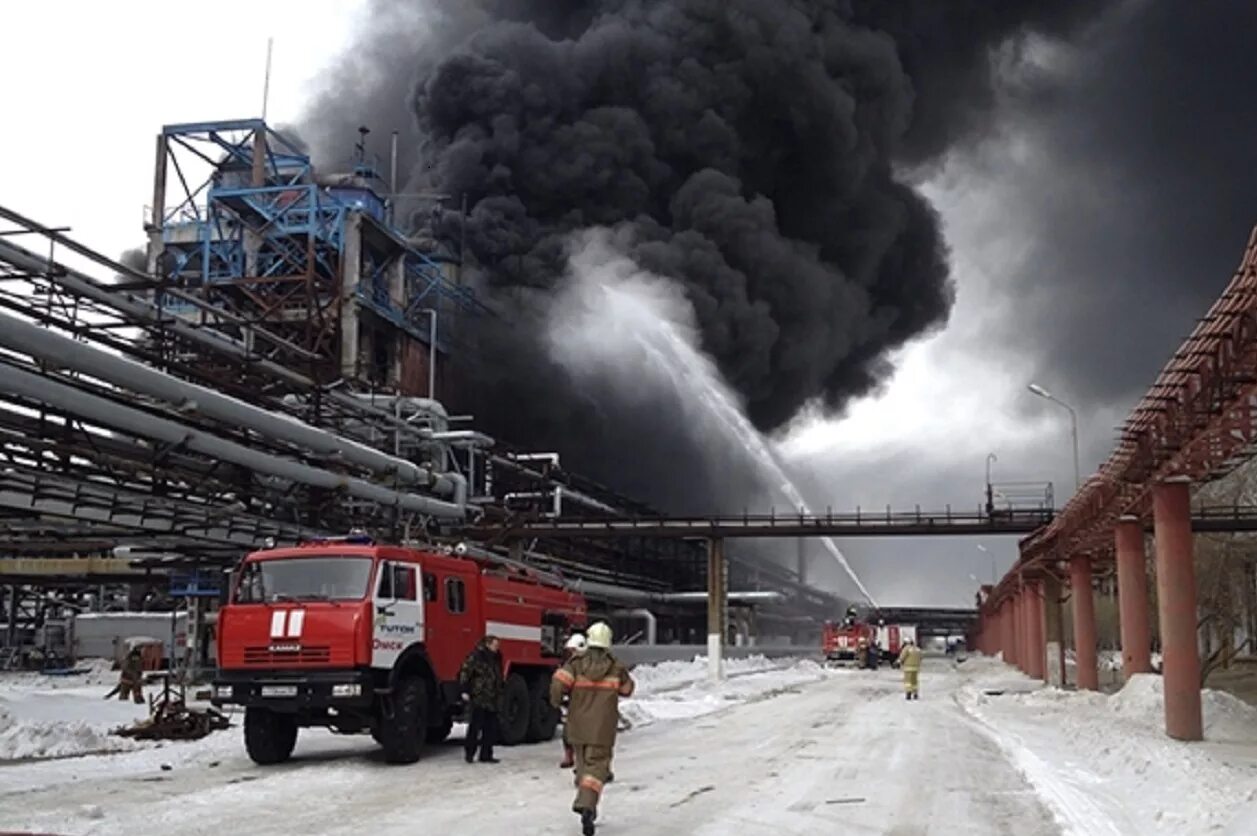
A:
[304,655]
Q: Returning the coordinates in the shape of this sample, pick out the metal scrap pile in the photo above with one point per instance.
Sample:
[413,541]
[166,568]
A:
[172,719]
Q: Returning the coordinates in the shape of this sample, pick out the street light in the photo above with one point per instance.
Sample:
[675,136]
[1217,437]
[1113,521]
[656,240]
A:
[1073,425]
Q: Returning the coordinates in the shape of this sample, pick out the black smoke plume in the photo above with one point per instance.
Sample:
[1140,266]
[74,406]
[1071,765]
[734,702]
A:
[753,151]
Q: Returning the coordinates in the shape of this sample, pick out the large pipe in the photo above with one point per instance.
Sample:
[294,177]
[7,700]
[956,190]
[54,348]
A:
[78,402]
[144,311]
[648,616]
[748,597]
[46,344]
[512,463]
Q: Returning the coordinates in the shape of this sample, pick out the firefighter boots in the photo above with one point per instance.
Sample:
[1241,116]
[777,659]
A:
[587,822]
[569,758]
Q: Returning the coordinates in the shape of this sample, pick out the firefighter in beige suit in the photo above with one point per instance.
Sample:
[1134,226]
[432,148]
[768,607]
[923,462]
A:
[594,681]
[910,662]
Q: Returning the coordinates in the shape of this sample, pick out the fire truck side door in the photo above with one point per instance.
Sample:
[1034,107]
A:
[397,612]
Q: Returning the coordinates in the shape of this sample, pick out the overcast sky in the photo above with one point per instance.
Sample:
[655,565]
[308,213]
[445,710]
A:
[86,100]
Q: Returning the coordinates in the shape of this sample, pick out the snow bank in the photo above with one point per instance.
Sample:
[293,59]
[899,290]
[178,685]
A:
[1103,764]
[664,676]
[33,740]
[663,693]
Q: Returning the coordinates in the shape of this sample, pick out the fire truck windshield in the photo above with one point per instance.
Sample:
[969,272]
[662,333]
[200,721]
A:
[324,578]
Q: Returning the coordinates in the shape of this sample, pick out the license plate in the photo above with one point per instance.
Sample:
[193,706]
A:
[279,690]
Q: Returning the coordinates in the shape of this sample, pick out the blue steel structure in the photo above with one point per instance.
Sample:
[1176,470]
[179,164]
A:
[241,219]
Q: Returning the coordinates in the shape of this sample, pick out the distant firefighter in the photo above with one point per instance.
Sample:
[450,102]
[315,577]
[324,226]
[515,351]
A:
[131,677]
[595,681]
[910,662]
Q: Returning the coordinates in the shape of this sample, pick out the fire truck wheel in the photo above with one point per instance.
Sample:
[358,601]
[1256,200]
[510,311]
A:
[402,735]
[516,710]
[437,734]
[269,737]
[543,718]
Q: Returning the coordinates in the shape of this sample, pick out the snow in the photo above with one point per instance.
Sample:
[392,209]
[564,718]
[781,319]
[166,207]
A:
[681,690]
[43,716]
[1104,763]
[781,746]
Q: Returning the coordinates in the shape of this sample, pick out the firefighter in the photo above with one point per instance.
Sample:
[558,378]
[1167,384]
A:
[910,662]
[574,647]
[131,677]
[862,654]
[595,681]
[482,684]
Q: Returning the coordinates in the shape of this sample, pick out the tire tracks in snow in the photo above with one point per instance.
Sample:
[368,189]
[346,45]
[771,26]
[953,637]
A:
[1074,809]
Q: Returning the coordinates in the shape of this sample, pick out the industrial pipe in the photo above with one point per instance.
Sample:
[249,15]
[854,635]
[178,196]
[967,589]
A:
[46,344]
[576,496]
[748,597]
[648,616]
[96,408]
[142,310]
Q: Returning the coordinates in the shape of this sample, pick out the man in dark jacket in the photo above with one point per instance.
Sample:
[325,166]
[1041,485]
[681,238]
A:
[595,681]
[482,684]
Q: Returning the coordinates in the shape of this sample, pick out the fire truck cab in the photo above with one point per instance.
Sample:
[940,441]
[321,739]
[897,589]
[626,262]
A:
[359,637]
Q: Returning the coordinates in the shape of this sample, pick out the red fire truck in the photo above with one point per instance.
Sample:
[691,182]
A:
[356,637]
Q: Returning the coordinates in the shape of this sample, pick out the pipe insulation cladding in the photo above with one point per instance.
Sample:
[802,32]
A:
[27,338]
[98,409]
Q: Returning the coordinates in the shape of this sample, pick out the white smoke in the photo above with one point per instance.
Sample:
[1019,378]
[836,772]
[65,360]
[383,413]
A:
[618,324]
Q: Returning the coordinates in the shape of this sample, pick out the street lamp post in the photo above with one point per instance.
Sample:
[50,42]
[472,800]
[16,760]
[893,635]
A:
[1073,425]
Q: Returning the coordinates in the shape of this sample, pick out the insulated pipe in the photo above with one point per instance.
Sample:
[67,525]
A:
[575,496]
[144,311]
[749,597]
[78,402]
[648,616]
[46,344]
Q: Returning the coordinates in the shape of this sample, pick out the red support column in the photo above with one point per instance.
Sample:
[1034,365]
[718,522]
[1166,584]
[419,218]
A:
[1084,622]
[1132,592]
[1019,629]
[1023,629]
[1006,616]
[1176,598]
[1038,645]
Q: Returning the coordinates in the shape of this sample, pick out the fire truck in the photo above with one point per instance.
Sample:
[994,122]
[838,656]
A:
[358,637]
[841,639]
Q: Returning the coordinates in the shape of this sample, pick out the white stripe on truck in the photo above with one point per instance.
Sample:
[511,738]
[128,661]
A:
[514,632]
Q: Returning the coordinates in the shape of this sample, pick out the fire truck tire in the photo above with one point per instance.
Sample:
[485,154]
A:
[269,737]
[403,734]
[437,734]
[543,720]
[516,710]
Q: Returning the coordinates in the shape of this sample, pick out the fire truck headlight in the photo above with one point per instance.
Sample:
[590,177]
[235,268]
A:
[349,690]
[224,692]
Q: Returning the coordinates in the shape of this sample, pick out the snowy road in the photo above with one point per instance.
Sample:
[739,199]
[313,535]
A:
[846,754]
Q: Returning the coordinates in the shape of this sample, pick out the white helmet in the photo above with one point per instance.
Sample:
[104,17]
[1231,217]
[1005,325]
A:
[599,636]
[575,642]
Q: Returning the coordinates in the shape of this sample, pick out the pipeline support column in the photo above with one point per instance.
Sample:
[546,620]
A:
[1038,647]
[1084,622]
[1132,597]
[716,610]
[1176,599]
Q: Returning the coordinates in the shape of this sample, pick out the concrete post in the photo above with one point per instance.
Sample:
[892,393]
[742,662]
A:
[1176,597]
[715,608]
[1084,623]
[1132,591]
[1037,645]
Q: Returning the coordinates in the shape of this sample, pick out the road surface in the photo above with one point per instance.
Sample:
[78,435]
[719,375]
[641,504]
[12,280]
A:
[846,754]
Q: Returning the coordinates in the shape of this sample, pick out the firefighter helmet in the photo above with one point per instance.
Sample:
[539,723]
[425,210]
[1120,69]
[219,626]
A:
[576,642]
[599,635]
